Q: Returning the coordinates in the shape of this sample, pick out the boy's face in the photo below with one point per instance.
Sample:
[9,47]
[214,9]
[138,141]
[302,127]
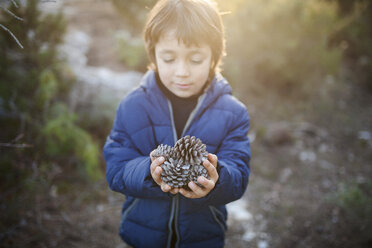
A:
[183,70]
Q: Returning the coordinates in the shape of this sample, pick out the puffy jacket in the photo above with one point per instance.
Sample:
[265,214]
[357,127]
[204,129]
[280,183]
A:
[144,120]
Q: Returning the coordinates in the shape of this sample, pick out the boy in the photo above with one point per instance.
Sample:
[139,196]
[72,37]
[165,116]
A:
[182,94]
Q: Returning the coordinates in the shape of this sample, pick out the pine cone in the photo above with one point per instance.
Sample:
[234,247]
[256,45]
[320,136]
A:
[175,174]
[183,162]
[190,150]
[163,151]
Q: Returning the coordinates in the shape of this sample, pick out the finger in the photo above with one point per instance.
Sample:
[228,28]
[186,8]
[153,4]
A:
[212,172]
[186,193]
[198,191]
[165,187]
[213,159]
[156,175]
[207,184]
[159,160]
[156,163]
[152,158]
[174,191]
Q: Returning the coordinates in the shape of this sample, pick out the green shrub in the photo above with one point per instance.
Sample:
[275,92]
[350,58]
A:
[64,138]
[356,37]
[34,86]
[48,88]
[133,13]
[355,200]
[132,52]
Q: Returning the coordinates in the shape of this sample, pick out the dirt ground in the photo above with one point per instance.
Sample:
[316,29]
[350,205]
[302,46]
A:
[303,154]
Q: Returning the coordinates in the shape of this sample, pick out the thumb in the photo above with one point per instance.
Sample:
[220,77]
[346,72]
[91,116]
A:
[159,160]
[156,163]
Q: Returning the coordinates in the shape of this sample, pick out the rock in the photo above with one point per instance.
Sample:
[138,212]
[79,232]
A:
[105,86]
[238,213]
[307,156]
[285,174]
[306,129]
[279,134]
[365,138]
[252,136]
[262,244]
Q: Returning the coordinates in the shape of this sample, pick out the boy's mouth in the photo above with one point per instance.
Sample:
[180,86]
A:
[183,86]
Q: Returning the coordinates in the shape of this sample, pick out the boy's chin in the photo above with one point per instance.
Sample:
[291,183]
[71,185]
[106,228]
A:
[183,94]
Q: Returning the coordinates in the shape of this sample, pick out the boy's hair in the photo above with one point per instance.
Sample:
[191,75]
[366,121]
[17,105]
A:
[195,22]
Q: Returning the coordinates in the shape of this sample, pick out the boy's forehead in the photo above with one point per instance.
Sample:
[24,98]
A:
[170,37]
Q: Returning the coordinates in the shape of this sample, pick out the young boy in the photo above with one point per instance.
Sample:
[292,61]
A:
[182,94]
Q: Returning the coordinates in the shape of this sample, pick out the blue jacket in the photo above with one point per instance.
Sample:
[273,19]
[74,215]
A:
[144,120]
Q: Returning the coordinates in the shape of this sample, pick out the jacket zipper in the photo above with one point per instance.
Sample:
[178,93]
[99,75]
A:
[172,215]
[176,199]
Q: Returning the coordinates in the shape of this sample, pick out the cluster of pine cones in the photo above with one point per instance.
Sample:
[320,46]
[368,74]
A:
[183,162]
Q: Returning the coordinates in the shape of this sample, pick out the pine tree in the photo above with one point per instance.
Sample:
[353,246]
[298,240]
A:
[37,125]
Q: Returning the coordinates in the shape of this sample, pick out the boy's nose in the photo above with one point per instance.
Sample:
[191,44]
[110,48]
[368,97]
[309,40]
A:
[182,69]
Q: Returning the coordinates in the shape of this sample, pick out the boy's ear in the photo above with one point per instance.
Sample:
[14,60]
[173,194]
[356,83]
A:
[214,64]
[152,66]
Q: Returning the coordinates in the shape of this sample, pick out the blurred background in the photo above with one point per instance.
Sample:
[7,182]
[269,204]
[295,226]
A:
[302,67]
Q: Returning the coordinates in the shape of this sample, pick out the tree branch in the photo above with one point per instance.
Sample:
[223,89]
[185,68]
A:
[15,145]
[15,3]
[18,18]
[12,14]
[14,37]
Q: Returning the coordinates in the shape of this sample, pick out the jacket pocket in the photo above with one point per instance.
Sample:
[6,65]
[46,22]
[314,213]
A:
[218,216]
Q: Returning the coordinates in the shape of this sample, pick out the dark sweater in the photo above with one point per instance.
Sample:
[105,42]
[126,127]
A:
[181,107]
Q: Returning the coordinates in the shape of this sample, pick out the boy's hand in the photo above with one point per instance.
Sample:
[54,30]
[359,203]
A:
[156,170]
[199,192]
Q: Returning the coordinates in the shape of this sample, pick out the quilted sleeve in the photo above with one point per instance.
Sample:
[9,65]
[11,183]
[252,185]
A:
[233,164]
[127,167]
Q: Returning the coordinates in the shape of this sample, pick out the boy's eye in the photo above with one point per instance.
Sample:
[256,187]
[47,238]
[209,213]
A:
[196,59]
[168,60]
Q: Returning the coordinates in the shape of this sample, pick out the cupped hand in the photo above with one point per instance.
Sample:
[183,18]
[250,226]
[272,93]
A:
[208,184]
[155,169]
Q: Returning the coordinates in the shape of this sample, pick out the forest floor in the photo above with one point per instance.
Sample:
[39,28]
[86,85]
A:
[310,178]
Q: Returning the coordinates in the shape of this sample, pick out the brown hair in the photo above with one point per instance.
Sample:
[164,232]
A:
[195,22]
